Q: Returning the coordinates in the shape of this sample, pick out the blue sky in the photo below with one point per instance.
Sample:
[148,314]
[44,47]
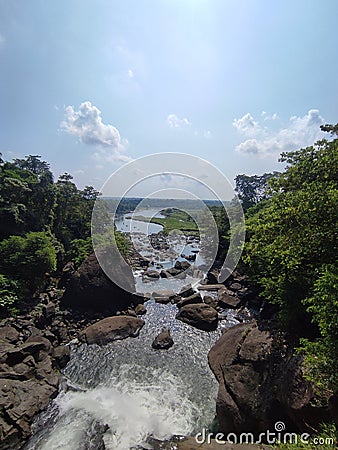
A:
[90,85]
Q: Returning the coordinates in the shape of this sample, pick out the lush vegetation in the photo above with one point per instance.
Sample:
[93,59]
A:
[43,224]
[292,248]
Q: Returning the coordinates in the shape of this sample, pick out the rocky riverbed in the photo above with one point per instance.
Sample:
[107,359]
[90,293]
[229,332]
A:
[260,380]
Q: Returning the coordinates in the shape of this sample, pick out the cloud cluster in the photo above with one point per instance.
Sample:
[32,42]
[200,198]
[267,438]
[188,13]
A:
[86,124]
[176,122]
[262,141]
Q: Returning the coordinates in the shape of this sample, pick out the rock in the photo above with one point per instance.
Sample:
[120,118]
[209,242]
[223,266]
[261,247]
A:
[199,315]
[111,329]
[140,310]
[165,274]
[164,296]
[211,301]
[212,276]
[21,401]
[259,382]
[49,310]
[152,274]
[173,271]
[46,345]
[61,356]
[228,301]
[195,298]
[235,286]
[163,341]
[186,291]
[90,288]
[9,334]
[210,287]
[18,354]
[182,265]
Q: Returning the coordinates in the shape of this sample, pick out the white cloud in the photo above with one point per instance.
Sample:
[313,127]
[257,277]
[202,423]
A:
[176,122]
[86,124]
[300,132]
[246,124]
[130,73]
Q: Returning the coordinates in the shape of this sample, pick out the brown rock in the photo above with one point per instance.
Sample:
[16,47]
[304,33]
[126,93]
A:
[9,334]
[258,383]
[90,288]
[163,341]
[140,309]
[111,329]
[195,298]
[199,315]
[228,301]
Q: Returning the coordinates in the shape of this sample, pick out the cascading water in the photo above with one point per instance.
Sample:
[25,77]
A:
[126,394]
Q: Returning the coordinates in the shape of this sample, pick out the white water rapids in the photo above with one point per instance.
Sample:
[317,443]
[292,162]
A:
[126,392]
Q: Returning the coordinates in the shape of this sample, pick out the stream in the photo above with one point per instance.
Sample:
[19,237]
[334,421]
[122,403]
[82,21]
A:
[126,395]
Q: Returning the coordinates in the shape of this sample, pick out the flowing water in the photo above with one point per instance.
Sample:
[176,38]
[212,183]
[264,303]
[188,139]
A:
[123,394]
[127,392]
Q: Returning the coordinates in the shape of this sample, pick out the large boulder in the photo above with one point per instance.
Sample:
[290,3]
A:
[111,329]
[260,382]
[199,315]
[91,289]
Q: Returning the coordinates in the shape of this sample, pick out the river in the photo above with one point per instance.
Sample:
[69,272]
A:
[122,395]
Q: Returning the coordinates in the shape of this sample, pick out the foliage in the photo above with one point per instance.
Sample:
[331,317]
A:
[27,258]
[253,189]
[292,248]
[321,356]
[8,291]
[79,250]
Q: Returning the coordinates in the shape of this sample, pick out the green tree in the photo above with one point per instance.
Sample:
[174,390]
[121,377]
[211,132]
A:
[28,258]
[292,247]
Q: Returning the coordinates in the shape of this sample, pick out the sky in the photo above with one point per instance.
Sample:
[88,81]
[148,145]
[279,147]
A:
[93,85]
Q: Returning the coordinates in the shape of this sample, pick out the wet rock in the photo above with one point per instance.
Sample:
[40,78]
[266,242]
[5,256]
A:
[199,315]
[173,271]
[140,309]
[212,276]
[61,356]
[186,291]
[163,341]
[211,301]
[111,329]
[194,298]
[152,274]
[228,301]
[163,296]
[182,265]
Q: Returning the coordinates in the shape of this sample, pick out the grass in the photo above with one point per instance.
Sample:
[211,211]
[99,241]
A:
[174,220]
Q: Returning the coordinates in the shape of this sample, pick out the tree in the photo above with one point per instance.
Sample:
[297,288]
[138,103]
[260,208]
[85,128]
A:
[27,258]
[292,245]
[253,189]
